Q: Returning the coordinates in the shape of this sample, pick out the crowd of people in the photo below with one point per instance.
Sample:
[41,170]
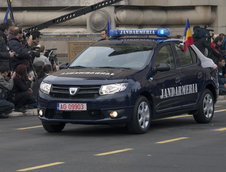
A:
[22,68]
[213,47]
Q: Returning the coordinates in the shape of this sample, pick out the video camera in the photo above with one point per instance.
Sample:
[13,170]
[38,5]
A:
[200,32]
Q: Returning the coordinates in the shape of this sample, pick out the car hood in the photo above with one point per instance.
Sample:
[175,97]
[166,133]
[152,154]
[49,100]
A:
[87,75]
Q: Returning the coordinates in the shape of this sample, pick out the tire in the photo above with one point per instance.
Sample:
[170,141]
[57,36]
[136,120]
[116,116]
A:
[205,111]
[53,127]
[141,117]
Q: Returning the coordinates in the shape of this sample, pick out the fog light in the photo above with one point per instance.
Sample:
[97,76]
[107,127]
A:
[114,114]
[40,112]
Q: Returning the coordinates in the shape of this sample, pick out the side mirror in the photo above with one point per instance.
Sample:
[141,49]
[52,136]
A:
[162,67]
[64,66]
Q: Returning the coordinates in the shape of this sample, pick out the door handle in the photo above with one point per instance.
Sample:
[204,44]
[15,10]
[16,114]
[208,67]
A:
[177,80]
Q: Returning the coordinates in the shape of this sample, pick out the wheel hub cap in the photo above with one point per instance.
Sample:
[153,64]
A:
[143,115]
[208,106]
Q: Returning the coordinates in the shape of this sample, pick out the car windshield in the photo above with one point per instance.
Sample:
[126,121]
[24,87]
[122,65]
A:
[114,56]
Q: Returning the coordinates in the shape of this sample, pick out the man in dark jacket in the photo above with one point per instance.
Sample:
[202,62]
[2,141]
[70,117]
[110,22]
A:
[23,52]
[201,40]
[5,54]
[6,85]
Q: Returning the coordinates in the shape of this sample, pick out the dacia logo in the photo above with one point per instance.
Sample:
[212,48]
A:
[73,91]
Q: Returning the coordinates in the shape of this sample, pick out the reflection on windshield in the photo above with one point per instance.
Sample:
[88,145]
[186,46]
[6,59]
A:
[123,56]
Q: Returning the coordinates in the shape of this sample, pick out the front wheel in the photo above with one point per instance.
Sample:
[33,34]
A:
[205,111]
[53,127]
[141,118]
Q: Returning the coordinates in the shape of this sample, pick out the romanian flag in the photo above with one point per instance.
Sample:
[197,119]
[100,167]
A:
[188,36]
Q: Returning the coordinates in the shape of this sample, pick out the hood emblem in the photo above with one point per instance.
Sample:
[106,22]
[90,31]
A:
[73,91]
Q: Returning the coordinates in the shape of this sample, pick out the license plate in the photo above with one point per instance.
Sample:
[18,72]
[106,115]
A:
[72,106]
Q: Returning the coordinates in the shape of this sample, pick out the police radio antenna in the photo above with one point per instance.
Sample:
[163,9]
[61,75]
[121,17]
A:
[72,15]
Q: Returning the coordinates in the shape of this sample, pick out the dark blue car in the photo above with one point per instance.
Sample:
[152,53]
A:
[130,81]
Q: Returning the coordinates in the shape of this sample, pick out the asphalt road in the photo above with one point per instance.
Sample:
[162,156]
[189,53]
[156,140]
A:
[171,145]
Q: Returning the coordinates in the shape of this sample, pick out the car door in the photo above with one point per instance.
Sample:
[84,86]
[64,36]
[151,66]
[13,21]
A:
[192,76]
[165,82]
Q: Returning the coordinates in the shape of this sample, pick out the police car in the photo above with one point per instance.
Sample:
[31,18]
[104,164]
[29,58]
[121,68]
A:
[130,80]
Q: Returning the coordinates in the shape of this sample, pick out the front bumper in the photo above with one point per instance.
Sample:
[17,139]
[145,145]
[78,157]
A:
[98,110]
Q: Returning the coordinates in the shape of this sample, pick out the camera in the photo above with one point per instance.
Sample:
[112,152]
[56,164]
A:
[202,32]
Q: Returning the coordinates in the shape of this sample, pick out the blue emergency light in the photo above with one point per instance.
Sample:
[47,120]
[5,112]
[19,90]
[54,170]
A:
[162,32]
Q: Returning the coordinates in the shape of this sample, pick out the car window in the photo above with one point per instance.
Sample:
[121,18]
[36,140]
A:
[185,57]
[165,56]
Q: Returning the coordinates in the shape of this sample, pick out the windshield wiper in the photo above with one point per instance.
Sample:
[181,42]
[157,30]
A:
[111,67]
[72,67]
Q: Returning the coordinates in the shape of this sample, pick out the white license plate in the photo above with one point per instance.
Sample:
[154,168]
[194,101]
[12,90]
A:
[72,106]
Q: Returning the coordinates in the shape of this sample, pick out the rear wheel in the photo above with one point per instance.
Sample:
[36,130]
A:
[141,118]
[53,127]
[205,111]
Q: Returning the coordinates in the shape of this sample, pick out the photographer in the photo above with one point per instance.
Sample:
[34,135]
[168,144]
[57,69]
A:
[6,85]
[5,54]
[202,39]
[24,53]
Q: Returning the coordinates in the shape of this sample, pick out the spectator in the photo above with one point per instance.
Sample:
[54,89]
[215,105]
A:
[222,35]
[36,36]
[6,85]
[10,24]
[22,88]
[5,54]
[48,69]
[42,57]
[103,35]
[216,52]
[221,76]
[223,46]
[39,68]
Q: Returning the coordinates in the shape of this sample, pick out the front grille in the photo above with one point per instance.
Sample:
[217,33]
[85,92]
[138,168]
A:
[84,115]
[83,92]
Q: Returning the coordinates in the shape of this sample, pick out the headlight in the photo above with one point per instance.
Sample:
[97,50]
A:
[112,88]
[45,87]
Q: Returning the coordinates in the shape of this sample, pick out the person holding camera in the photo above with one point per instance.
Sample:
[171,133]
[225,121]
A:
[23,53]
[5,55]
[6,85]
[202,40]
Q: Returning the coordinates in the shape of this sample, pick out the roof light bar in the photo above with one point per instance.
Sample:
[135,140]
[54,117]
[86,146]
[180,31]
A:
[162,32]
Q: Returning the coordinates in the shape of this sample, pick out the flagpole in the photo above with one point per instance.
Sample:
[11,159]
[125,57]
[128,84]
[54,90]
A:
[11,10]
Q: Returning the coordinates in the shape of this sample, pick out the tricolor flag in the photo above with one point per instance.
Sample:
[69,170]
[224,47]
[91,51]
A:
[188,36]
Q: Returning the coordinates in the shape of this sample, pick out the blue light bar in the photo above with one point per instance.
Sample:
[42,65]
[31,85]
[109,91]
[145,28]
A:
[162,32]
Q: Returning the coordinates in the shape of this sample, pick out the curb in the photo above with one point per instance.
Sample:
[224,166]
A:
[221,98]
[29,112]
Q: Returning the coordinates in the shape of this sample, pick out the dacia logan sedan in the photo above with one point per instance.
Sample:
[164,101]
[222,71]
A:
[131,82]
